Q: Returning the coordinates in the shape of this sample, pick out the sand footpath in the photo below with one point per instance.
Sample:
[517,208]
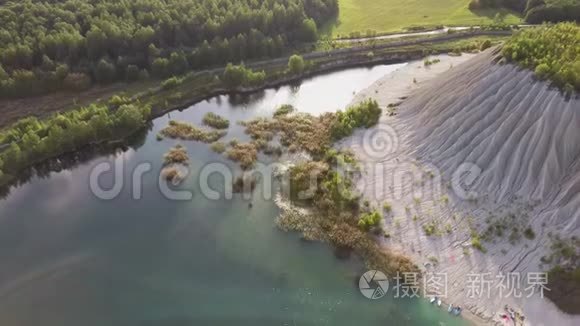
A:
[495,121]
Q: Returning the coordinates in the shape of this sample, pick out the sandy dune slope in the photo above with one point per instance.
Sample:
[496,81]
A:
[519,141]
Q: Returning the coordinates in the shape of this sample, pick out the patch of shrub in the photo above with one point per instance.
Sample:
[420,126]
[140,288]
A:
[171,83]
[428,62]
[485,45]
[296,64]
[430,228]
[529,233]
[551,51]
[476,242]
[238,76]
[387,207]
[284,110]
[176,155]
[364,115]
[186,131]
[215,121]
[218,147]
[244,153]
[369,220]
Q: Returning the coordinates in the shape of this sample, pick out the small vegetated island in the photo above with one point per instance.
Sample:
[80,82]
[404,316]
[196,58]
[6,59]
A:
[334,213]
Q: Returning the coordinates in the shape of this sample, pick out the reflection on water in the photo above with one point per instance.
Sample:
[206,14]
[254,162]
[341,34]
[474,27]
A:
[69,258]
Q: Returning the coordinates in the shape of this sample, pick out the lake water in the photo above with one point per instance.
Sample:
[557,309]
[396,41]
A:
[69,258]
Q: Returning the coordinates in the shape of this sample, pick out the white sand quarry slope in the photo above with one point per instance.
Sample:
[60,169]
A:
[525,139]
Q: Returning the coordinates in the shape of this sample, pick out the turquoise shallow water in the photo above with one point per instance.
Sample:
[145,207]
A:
[69,258]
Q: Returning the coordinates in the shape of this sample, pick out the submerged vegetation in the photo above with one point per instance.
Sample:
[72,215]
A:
[218,147]
[552,51]
[284,110]
[245,183]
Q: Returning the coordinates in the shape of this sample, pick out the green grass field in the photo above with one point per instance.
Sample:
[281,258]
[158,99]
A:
[396,15]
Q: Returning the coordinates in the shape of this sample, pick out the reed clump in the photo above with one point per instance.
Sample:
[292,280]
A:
[244,153]
[215,121]
[186,131]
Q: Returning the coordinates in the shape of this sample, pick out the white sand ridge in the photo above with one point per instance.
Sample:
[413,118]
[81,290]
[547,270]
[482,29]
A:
[523,136]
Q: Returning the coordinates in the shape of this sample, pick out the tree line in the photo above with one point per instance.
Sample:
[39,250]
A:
[536,11]
[72,44]
[30,140]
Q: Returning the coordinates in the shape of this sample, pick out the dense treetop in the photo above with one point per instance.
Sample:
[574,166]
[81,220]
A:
[72,43]
[552,51]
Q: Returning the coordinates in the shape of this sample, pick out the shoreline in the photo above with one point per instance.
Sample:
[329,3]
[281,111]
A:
[323,63]
[393,88]
[402,81]
[334,59]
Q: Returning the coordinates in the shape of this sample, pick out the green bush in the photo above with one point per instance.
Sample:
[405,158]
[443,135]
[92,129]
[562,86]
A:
[369,220]
[236,76]
[430,228]
[215,121]
[550,50]
[218,147]
[171,83]
[363,115]
[529,233]
[284,110]
[296,64]
[485,45]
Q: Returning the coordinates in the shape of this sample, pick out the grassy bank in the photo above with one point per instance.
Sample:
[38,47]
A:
[360,16]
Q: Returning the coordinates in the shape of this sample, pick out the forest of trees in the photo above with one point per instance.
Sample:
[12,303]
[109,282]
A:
[536,11]
[553,52]
[72,44]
